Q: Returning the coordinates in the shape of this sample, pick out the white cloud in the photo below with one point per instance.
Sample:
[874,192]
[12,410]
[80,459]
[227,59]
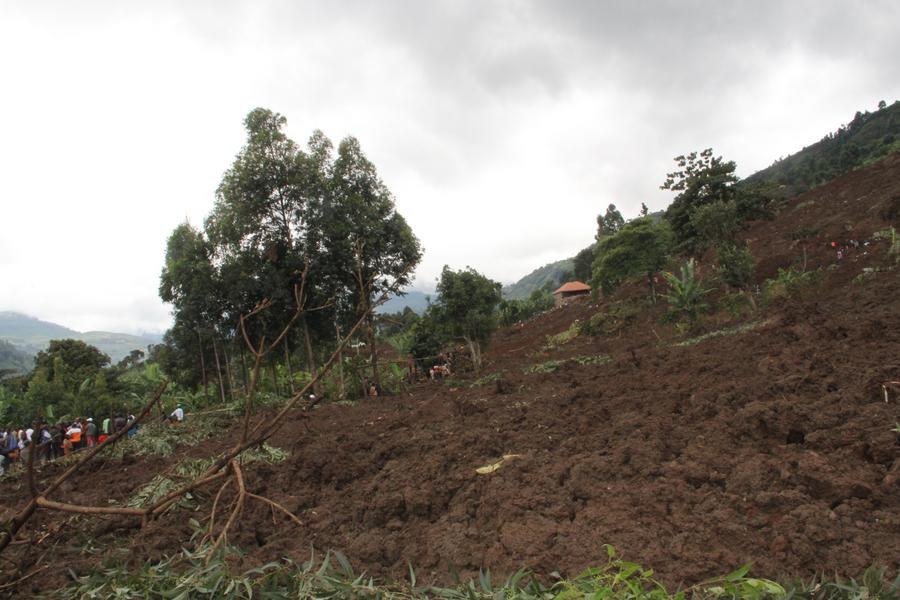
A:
[501,128]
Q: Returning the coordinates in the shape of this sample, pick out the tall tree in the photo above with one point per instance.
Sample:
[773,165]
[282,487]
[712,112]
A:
[189,282]
[363,233]
[610,222]
[701,179]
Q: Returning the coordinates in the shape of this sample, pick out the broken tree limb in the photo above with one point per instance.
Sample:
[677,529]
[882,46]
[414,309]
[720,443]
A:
[89,510]
[18,521]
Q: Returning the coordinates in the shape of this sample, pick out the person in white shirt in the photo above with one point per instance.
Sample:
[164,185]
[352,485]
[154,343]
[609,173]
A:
[178,414]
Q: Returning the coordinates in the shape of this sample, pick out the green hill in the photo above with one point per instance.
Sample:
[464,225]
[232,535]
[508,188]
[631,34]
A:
[29,336]
[538,278]
[865,139]
[13,360]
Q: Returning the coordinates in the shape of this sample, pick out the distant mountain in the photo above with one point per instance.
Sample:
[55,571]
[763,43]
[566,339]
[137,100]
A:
[414,299]
[30,335]
[14,361]
[537,278]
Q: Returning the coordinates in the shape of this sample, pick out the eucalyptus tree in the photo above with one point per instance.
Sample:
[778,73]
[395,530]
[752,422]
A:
[189,282]
[370,245]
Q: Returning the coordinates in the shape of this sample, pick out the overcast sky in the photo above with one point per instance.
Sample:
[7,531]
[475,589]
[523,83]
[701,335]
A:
[502,128]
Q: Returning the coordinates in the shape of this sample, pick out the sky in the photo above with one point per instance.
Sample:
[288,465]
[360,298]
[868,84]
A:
[502,128]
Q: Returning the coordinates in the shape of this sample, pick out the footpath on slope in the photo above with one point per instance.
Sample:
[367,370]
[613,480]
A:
[772,445]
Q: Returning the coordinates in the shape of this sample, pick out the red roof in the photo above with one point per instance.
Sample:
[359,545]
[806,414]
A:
[573,286]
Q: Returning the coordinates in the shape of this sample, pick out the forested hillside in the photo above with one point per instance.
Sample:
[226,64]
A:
[13,360]
[866,138]
[551,273]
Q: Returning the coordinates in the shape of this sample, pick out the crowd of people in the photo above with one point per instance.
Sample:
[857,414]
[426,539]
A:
[54,440]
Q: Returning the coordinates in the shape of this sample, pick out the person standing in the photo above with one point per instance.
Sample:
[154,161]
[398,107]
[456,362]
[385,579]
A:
[90,432]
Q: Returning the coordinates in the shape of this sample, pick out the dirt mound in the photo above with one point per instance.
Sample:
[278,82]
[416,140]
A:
[772,444]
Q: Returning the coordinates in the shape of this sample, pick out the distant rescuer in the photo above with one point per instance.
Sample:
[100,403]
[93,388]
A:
[178,414]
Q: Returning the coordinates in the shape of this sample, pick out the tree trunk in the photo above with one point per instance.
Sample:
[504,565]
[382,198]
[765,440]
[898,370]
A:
[243,364]
[340,364]
[274,375]
[373,352]
[310,356]
[219,372]
[202,365]
[287,364]
[475,351]
[228,371]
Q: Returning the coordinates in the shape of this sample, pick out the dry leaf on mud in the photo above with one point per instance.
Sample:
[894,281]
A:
[494,466]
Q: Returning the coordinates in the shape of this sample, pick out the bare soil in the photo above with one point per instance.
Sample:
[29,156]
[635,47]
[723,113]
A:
[773,445]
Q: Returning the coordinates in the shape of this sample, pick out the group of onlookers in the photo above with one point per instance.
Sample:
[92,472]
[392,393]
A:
[54,440]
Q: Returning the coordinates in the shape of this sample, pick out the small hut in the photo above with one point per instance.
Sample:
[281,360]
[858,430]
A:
[570,290]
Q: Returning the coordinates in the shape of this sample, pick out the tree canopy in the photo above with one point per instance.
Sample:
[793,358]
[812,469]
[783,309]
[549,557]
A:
[640,248]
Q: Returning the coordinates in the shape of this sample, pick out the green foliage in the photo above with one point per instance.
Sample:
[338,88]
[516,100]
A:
[486,380]
[583,263]
[538,279]
[189,469]
[204,574]
[70,362]
[14,361]
[789,283]
[609,223]
[702,179]
[515,311]
[894,248]
[544,367]
[686,293]
[613,319]
[564,337]
[716,223]
[739,304]
[466,308]
[735,264]
[866,138]
[598,359]
[640,248]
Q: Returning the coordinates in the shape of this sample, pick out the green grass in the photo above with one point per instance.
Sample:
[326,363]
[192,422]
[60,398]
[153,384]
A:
[555,341]
[552,365]
[719,333]
[598,359]
[544,367]
[189,469]
[196,574]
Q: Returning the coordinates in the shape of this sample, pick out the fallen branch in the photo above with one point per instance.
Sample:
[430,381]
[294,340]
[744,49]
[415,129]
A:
[89,510]
[274,504]
[238,507]
[17,522]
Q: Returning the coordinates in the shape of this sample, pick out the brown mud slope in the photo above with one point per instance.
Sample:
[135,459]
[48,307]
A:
[773,445]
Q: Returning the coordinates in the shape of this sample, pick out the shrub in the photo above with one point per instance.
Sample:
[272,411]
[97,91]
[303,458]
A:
[686,293]
[789,283]
[735,264]
[555,341]
[616,317]
[739,304]
[544,367]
